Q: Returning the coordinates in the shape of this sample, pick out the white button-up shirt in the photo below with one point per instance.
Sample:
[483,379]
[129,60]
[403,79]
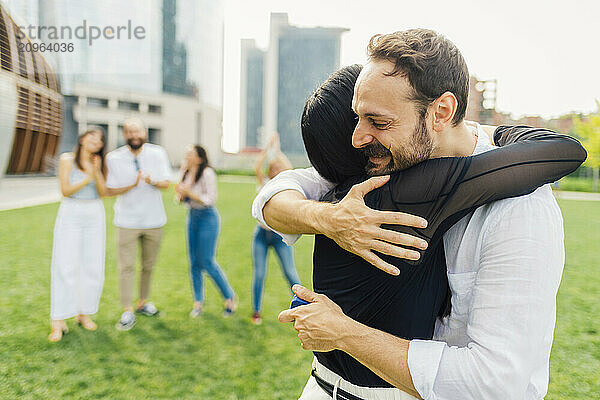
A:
[505,262]
[142,206]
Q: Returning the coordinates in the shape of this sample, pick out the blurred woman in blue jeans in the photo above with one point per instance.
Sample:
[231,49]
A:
[264,238]
[198,190]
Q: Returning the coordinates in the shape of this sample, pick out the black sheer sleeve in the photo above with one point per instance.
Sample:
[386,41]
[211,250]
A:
[443,190]
[528,159]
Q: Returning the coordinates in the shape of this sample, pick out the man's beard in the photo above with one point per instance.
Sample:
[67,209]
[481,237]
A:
[418,148]
[135,146]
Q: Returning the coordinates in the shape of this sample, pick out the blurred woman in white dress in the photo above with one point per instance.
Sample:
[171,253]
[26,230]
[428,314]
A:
[77,272]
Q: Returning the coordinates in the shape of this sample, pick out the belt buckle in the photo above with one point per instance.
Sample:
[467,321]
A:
[333,390]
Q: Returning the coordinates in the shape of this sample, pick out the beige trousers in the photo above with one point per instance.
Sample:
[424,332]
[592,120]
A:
[312,390]
[127,242]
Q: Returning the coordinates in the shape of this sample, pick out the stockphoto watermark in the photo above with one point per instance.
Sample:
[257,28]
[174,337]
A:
[83,31]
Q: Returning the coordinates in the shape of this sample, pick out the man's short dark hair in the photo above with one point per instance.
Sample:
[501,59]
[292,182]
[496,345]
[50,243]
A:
[431,63]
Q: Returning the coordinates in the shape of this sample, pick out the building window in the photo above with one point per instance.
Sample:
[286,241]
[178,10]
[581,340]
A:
[129,106]
[40,66]
[154,135]
[199,128]
[5,56]
[22,62]
[120,138]
[102,126]
[154,109]
[97,102]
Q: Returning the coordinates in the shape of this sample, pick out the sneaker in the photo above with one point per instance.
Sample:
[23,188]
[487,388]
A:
[256,319]
[196,312]
[230,307]
[228,312]
[148,309]
[126,322]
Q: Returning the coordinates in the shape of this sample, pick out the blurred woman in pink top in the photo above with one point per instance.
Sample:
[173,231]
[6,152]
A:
[198,191]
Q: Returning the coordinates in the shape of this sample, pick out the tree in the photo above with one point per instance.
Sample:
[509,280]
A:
[589,132]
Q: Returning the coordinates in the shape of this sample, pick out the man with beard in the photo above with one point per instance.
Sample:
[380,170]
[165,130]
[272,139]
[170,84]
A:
[504,260]
[139,213]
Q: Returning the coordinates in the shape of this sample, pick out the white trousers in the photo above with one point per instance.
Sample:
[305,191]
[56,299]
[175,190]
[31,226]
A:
[312,390]
[77,272]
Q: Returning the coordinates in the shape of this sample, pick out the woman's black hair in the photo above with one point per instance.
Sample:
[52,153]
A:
[100,152]
[203,164]
[327,126]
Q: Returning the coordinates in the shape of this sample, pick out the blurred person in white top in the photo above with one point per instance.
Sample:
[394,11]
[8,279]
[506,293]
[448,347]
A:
[139,212]
[504,260]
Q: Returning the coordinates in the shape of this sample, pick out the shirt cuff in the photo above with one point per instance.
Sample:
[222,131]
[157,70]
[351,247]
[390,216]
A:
[263,197]
[287,238]
[423,362]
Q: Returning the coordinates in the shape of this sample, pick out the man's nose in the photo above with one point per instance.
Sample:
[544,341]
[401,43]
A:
[360,137]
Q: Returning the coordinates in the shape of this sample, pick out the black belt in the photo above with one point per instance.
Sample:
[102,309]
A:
[328,388]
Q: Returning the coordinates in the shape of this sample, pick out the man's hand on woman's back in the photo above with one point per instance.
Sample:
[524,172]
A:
[350,223]
[357,228]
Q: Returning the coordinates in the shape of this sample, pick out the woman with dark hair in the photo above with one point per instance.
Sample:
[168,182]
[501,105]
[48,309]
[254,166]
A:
[327,125]
[441,190]
[77,272]
[198,190]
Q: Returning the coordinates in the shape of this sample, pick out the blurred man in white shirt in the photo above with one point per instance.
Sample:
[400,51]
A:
[139,213]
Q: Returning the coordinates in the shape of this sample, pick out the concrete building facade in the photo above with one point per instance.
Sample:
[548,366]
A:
[30,105]
[251,94]
[107,81]
[172,121]
[297,61]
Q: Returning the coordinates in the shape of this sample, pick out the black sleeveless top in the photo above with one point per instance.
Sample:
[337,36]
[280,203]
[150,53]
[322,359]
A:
[442,190]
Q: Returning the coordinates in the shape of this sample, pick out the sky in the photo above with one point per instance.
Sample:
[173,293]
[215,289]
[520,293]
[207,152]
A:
[545,55]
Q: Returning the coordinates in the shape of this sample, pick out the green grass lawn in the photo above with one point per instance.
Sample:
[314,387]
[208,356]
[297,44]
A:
[211,357]
[576,184]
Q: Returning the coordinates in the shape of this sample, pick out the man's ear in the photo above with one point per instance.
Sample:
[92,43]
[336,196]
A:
[443,110]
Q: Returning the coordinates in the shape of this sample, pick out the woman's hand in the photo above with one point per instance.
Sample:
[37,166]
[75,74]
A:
[96,164]
[274,142]
[138,178]
[89,169]
[182,189]
[177,198]
[184,165]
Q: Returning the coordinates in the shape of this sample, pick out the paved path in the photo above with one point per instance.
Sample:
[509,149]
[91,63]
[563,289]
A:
[32,191]
[559,194]
[237,179]
[27,192]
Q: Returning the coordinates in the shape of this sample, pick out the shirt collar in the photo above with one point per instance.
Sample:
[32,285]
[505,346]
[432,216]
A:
[483,143]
